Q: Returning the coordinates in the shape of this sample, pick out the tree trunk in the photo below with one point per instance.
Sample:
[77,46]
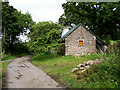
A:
[3,51]
[4,32]
[99,32]
[57,51]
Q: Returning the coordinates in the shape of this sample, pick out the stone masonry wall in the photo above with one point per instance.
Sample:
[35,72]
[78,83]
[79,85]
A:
[72,42]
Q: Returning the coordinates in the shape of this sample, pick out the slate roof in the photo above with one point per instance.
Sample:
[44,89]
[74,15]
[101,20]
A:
[73,29]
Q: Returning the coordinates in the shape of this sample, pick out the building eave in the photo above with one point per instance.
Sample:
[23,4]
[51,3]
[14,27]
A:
[73,29]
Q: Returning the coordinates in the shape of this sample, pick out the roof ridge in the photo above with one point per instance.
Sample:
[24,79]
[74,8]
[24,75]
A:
[69,32]
[74,28]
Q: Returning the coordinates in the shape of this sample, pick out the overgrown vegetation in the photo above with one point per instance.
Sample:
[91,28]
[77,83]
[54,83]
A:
[102,75]
[102,18]
[4,66]
[106,74]
[14,24]
[45,43]
[20,49]
[59,68]
[45,37]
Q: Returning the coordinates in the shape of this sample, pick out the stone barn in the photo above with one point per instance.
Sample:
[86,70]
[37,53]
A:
[79,40]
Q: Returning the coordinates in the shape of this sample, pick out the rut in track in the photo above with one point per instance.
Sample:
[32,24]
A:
[20,73]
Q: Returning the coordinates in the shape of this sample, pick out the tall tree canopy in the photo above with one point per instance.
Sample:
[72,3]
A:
[45,36]
[14,23]
[101,18]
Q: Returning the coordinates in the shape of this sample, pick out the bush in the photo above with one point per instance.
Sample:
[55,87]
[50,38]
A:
[42,56]
[45,37]
[114,48]
[106,74]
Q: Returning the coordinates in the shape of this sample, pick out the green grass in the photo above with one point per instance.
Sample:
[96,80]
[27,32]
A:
[4,65]
[103,75]
[106,74]
[10,57]
[60,67]
[0,72]
[13,56]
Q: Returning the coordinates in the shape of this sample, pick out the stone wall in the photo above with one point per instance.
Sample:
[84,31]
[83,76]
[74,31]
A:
[72,42]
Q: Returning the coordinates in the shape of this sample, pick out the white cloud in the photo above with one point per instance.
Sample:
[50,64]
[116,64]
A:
[40,10]
[64,32]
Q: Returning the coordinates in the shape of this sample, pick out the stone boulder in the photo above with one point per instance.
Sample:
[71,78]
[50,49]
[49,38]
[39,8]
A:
[85,66]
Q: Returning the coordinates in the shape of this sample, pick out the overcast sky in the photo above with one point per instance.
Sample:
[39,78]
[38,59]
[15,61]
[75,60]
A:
[40,10]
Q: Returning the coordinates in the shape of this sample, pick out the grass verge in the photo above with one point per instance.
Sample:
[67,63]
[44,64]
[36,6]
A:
[59,68]
[13,56]
[4,66]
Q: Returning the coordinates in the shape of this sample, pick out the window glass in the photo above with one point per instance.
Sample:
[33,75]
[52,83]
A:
[80,43]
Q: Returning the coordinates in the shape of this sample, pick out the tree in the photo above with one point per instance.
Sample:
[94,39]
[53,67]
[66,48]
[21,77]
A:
[101,18]
[45,36]
[14,23]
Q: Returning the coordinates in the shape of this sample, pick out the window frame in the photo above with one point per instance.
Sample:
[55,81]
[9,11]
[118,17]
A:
[81,40]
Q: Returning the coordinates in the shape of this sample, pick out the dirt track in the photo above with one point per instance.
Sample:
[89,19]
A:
[22,74]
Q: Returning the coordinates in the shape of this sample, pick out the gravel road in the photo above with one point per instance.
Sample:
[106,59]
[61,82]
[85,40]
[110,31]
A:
[21,73]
